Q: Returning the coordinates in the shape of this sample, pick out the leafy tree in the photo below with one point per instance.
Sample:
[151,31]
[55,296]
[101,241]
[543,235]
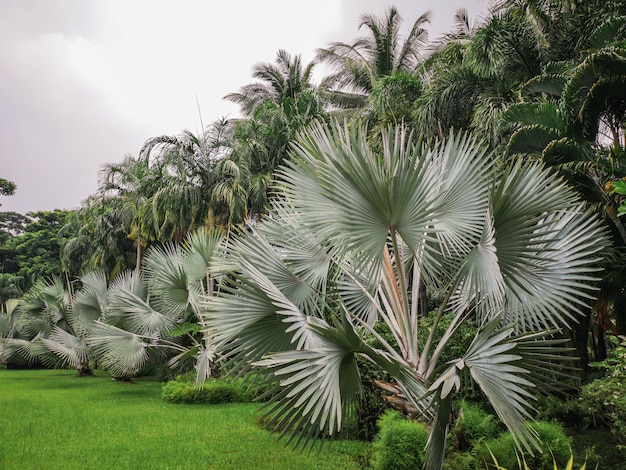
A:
[281,103]
[7,188]
[35,253]
[286,78]
[474,74]
[350,242]
[96,237]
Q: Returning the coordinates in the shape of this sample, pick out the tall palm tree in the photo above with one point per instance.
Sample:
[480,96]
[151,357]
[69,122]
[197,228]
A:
[474,75]
[352,239]
[379,53]
[286,78]
[282,101]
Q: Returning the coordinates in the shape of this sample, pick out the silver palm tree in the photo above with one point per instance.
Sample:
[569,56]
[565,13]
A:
[352,238]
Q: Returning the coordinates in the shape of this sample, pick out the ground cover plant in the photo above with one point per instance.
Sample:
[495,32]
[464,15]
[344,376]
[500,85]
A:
[53,419]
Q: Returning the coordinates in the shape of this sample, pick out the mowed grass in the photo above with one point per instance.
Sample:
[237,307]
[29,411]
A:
[52,419]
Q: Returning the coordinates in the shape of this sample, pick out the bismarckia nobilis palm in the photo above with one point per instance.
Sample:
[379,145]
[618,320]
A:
[354,235]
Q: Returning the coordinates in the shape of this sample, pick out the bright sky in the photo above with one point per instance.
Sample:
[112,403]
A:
[86,82]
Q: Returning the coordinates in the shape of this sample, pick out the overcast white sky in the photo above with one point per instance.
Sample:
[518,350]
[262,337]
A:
[86,82]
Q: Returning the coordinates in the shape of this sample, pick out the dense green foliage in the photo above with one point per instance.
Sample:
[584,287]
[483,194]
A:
[555,446]
[213,391]
[400,444]
[604,399]
[30,247]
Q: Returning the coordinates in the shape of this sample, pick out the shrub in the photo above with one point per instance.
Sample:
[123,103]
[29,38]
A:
[604,398]
[400,443]
[566,410]
[215,391]
[554,444]
[473,425]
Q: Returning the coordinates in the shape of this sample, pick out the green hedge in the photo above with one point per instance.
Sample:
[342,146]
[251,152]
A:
[400,443]
[214,391]
[555,444]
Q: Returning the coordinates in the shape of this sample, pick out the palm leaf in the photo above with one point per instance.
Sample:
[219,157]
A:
[169,284]
[494,367]
[121,352]
[139,317]
[69,348]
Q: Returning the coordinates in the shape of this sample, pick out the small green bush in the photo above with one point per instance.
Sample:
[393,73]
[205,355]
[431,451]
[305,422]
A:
[400,443]
[473,425]
[213,392]
[604,399]
[566,410]
[556,447]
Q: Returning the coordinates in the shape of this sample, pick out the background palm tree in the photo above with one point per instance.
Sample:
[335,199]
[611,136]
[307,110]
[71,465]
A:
[380,53]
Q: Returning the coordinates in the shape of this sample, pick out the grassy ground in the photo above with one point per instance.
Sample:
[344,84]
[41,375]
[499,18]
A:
[55,420]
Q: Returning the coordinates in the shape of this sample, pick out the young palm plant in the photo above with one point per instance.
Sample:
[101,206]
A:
[352,238]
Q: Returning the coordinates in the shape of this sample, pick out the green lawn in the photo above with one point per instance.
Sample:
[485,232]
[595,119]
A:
[55,420]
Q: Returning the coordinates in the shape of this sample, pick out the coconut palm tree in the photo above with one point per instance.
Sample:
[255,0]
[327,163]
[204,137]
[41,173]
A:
[351,240]
[474,75]
[379,53]
[286,78]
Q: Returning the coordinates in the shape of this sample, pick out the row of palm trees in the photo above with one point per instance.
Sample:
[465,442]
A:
[119,325]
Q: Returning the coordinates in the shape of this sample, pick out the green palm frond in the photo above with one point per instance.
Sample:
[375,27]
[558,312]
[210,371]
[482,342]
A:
[607,33]
[91,301]
[69,348]
[551,84]
[541,250]
[121,352]
[204,248]
[494,367]
[22,352]
[268,310]
[316,390]
[140,318]
[168,280]
[559,281]
[545,114]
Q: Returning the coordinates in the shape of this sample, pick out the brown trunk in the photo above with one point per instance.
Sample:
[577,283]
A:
[619,310]
[580,338]
[139,256]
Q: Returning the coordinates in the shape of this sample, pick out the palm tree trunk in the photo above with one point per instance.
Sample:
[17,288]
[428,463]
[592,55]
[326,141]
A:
[580,339]
[139,256]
